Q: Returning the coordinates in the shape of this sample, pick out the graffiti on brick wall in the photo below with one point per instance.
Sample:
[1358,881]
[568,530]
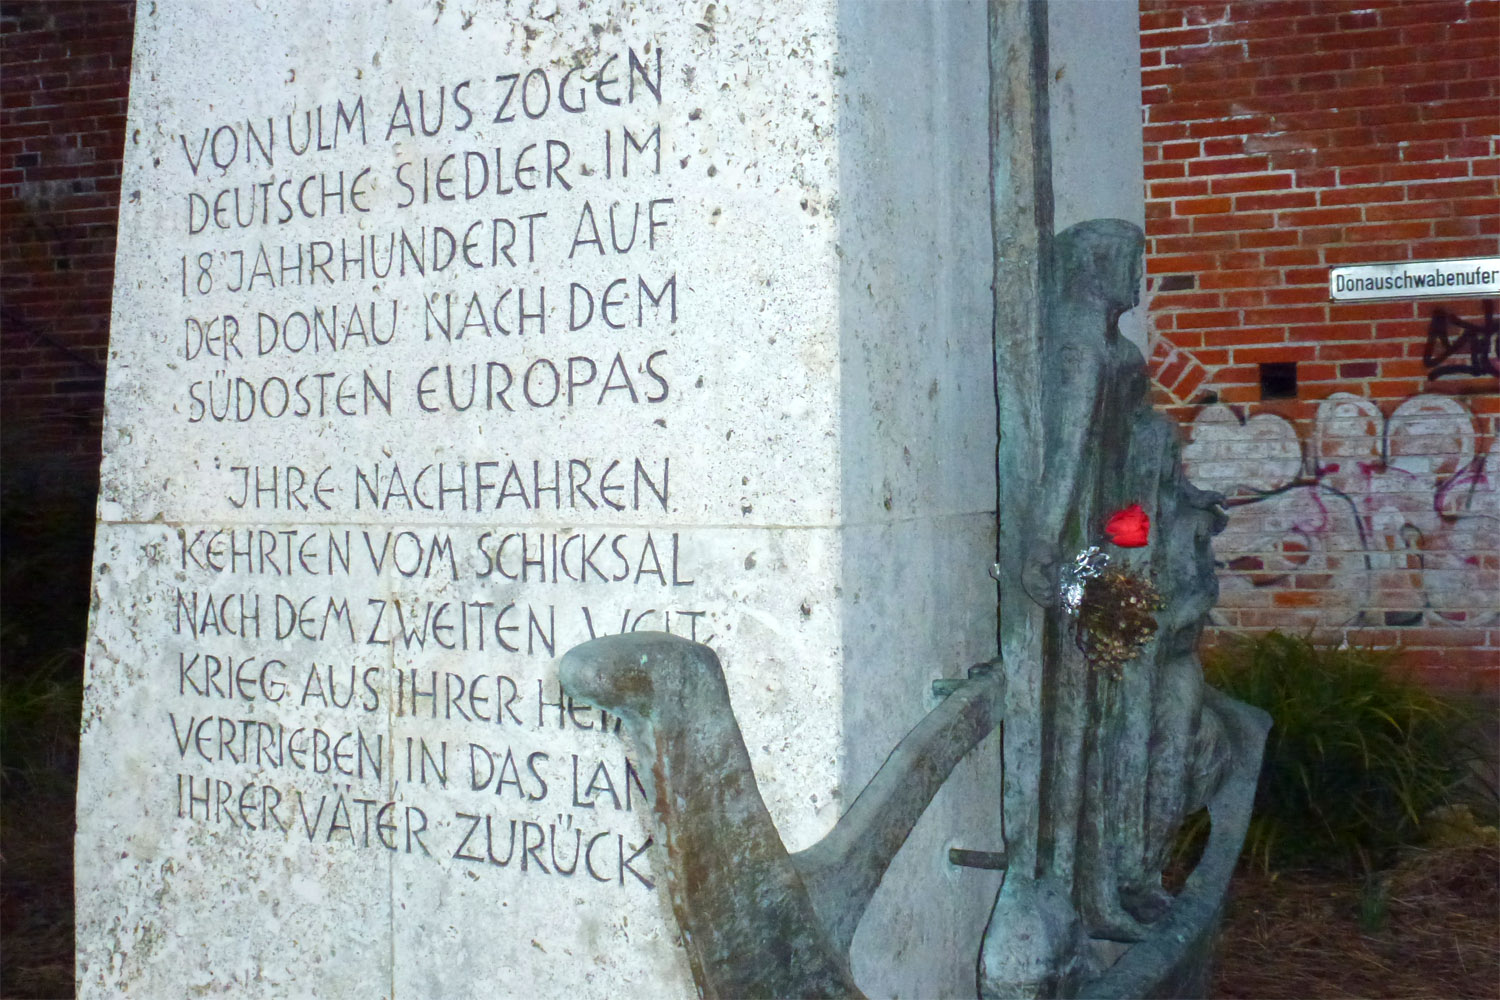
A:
[1472,345]
[1372,520]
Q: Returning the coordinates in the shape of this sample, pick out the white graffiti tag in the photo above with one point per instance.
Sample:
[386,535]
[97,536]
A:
[1376,520]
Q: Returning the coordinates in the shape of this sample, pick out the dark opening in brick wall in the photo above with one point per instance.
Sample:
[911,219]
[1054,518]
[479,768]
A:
[1278,380]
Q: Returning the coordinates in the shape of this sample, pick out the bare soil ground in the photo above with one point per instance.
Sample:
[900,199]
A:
[1429,927]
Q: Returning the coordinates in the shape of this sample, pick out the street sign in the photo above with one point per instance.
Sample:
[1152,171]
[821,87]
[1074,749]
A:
[1463,277]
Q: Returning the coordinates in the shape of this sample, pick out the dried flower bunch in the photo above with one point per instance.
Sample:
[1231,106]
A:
[1114,610]
[1116,618]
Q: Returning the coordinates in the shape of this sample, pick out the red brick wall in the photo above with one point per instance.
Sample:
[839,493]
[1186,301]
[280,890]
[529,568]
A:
[1284,137]
[62,123]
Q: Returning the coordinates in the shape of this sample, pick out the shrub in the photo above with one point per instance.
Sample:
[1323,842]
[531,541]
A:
[1358,754]
[39,711]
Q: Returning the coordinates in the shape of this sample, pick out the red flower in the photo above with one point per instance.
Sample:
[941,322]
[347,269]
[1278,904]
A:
[1128,528]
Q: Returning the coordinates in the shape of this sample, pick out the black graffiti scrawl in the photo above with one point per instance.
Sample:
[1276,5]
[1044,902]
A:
[1447,336]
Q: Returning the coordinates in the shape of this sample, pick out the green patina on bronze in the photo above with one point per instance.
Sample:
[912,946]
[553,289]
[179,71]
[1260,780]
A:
[1122,755]
[747,921]
[756,920]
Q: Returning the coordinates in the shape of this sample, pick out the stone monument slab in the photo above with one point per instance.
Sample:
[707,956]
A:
[445,339]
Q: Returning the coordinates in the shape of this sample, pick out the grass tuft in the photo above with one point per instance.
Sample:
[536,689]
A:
[1357,756]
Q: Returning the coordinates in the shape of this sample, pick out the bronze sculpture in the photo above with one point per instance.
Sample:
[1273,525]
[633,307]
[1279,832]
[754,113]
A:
[1127,753]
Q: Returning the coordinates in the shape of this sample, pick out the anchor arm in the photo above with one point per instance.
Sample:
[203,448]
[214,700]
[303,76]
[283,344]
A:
[843,870]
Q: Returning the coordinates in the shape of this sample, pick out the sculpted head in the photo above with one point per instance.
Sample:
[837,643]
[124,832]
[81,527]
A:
[1100,262]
